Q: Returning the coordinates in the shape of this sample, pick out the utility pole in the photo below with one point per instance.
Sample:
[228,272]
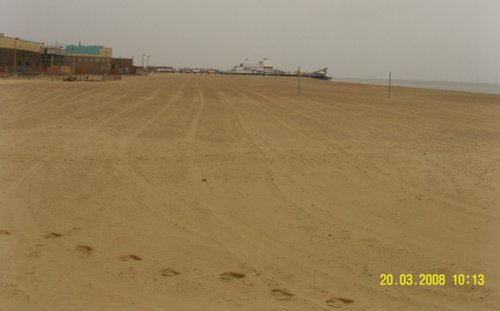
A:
[143,60]
[390,82]
[15,57]
[298,86]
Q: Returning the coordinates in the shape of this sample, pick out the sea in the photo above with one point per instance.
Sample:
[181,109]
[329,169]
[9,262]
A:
[488,88]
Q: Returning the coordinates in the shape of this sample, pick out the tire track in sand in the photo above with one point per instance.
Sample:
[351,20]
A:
[155,201]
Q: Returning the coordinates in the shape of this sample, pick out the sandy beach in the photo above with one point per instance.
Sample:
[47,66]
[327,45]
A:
[207,192]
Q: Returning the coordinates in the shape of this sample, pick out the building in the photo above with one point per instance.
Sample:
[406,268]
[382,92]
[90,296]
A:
[19,56]
[267,64]
[53,56]
[162,68]
[93,59]
[264,66]
[53,60]
[123,66]
[22,57]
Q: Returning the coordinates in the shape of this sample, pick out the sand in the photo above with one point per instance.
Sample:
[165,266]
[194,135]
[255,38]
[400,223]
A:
[191,192]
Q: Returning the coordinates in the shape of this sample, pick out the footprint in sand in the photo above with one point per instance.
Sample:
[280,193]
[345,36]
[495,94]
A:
[4,232]
[52,235]
[338,302]
[169,272]
[130,257]
[229,276]
[74,229]
[36,253]
[84,250]
[282,294]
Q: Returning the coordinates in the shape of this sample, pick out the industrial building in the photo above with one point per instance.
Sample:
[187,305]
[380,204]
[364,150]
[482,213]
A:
[19,56]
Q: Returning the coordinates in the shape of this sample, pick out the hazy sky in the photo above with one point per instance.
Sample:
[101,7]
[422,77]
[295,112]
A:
[415,39]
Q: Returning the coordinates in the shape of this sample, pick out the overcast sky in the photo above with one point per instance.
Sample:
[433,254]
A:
[415,39]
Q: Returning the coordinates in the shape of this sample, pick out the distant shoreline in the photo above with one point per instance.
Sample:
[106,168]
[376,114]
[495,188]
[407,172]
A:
[484,88]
